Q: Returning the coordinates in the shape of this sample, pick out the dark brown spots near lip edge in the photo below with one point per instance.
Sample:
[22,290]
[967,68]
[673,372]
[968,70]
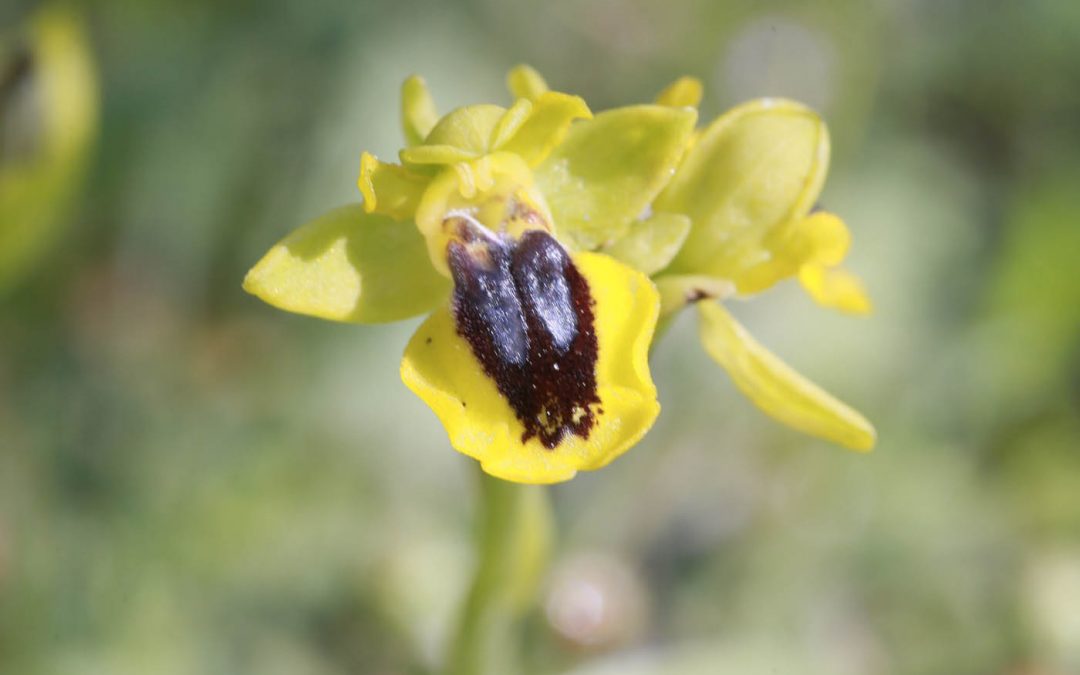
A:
[527,314]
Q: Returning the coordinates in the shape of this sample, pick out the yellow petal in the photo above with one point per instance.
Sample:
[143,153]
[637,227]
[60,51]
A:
[753,174]
[819,239]
[683,92]
[511,121]
[545,127]
[825,238]
[349,265]
[836,288]
[389,189]
[524,82]
[441,369]
[418,113]
[777,389]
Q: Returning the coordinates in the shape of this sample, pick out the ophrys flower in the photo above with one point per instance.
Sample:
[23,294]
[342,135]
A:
[529,233]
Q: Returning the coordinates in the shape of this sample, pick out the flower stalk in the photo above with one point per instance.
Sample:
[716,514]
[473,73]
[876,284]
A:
[513,543]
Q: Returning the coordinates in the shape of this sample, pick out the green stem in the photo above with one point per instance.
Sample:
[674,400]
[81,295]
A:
[513,544]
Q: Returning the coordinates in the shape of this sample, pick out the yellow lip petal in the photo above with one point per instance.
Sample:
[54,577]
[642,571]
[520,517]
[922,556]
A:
[441,369]
[775,388]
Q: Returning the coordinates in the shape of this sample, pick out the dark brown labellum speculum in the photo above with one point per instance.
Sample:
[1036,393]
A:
[527,313]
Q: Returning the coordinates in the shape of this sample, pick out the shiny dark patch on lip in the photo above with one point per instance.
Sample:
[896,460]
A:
[527,313]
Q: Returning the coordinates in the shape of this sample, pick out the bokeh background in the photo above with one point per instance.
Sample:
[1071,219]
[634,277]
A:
[193,482]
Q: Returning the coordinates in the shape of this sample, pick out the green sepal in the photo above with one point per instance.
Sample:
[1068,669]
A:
[753,174]
[609,169]
[348,265]
[650,245]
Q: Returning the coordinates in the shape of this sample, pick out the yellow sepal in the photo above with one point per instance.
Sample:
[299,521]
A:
[775,388]
[440,368]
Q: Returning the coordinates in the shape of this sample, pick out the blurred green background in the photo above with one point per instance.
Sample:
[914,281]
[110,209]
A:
[193,482]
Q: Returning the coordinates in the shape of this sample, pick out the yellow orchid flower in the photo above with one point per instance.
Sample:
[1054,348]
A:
[530,234]
[51,65]
[535,354]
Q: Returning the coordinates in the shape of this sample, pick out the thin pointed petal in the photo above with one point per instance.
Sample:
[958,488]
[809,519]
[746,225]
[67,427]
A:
[777,389]
[511,122]
[525,82]
[348,265]
[545,126]
[683,92]
[418,112]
